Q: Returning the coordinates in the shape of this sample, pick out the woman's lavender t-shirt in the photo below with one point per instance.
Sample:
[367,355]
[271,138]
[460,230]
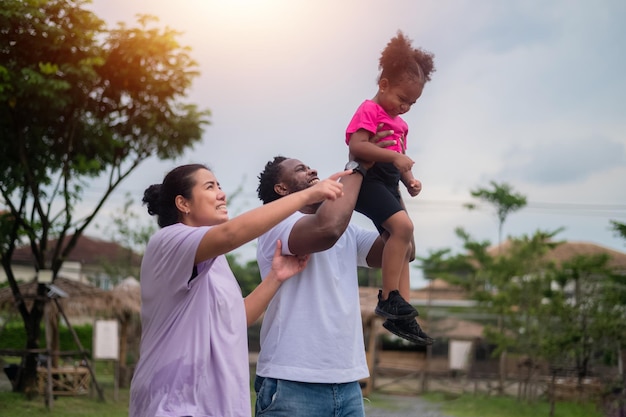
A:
[194,350]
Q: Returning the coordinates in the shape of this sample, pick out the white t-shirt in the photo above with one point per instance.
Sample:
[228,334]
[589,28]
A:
[194,348]
[312,330]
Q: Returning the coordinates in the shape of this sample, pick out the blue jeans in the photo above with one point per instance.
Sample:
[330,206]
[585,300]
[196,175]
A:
[282,398]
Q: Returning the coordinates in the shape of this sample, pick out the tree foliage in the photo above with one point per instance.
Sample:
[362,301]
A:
[80,101]
[503,198]
[132,235]
[587,310]
[570,313]
[248,275]
[619,228]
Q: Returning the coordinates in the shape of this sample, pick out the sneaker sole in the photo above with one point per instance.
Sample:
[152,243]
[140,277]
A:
[407,336]
[387,315]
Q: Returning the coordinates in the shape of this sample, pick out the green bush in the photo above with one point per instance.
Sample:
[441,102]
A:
[14,337]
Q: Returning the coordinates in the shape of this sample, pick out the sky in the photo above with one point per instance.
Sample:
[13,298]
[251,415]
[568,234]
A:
[527,93]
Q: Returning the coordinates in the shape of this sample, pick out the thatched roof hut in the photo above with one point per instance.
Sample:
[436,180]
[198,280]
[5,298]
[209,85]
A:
[127,296]
[88,251]
[82,299]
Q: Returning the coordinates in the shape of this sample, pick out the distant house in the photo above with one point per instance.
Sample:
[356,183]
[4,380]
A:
[85,263]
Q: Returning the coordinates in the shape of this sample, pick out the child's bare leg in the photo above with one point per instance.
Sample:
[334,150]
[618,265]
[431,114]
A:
[396,254]
[404,285]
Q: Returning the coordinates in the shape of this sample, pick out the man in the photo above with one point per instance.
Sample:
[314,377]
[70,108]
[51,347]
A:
[312,350]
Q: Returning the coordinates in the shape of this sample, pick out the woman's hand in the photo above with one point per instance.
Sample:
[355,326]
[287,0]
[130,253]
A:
[283,267]
[286,266]
[328,189]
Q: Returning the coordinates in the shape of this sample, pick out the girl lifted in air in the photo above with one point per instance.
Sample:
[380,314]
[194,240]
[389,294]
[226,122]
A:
[404,71]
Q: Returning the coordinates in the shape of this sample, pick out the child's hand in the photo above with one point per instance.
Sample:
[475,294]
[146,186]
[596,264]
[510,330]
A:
[414,187]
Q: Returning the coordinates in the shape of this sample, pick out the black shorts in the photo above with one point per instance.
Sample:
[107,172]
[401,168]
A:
[379,198]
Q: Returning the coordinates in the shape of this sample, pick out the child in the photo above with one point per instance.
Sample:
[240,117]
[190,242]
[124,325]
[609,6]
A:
[404,71]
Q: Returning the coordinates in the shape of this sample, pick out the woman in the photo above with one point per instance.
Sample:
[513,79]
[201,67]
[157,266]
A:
[194,352]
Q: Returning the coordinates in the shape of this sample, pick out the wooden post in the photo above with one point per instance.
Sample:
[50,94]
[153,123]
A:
[48,397]
[84,352]
[370,354]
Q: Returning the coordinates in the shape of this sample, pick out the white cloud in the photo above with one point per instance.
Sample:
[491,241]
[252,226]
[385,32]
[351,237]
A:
[565,161]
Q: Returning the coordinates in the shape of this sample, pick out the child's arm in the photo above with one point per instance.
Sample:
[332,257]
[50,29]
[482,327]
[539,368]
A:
[413,185]
[361,148]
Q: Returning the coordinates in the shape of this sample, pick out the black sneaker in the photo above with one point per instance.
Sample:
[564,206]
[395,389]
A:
[394,307]
[409,330]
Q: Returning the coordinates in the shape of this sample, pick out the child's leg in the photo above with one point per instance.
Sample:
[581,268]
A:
[396,255]
[404,285]
[407,328]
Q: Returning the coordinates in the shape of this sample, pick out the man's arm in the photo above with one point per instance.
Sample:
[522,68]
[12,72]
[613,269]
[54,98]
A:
[321,230]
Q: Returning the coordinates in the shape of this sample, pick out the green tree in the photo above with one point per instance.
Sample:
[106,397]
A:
[508,285]
[503,198]
[369,277]
[619,228]
[126,229]
[79,101]
[458,269]
[571,314]
[248,275]
[588,311]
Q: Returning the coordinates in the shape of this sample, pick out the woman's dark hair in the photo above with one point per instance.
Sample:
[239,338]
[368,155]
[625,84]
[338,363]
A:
[400,59]
[160,198]
[268,178]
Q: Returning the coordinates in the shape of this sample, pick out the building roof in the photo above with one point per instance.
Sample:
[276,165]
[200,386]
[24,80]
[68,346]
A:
[454,328]
[88,251]
[568,250]
[438,289]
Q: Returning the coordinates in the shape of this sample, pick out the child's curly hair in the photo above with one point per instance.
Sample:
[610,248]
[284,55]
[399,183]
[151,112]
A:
[400,58]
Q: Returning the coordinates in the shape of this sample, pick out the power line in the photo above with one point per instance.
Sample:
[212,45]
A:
[581,209]
[542,207]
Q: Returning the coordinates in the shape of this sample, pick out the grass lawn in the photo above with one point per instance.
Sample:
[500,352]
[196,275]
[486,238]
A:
[16,405]
[468,405]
